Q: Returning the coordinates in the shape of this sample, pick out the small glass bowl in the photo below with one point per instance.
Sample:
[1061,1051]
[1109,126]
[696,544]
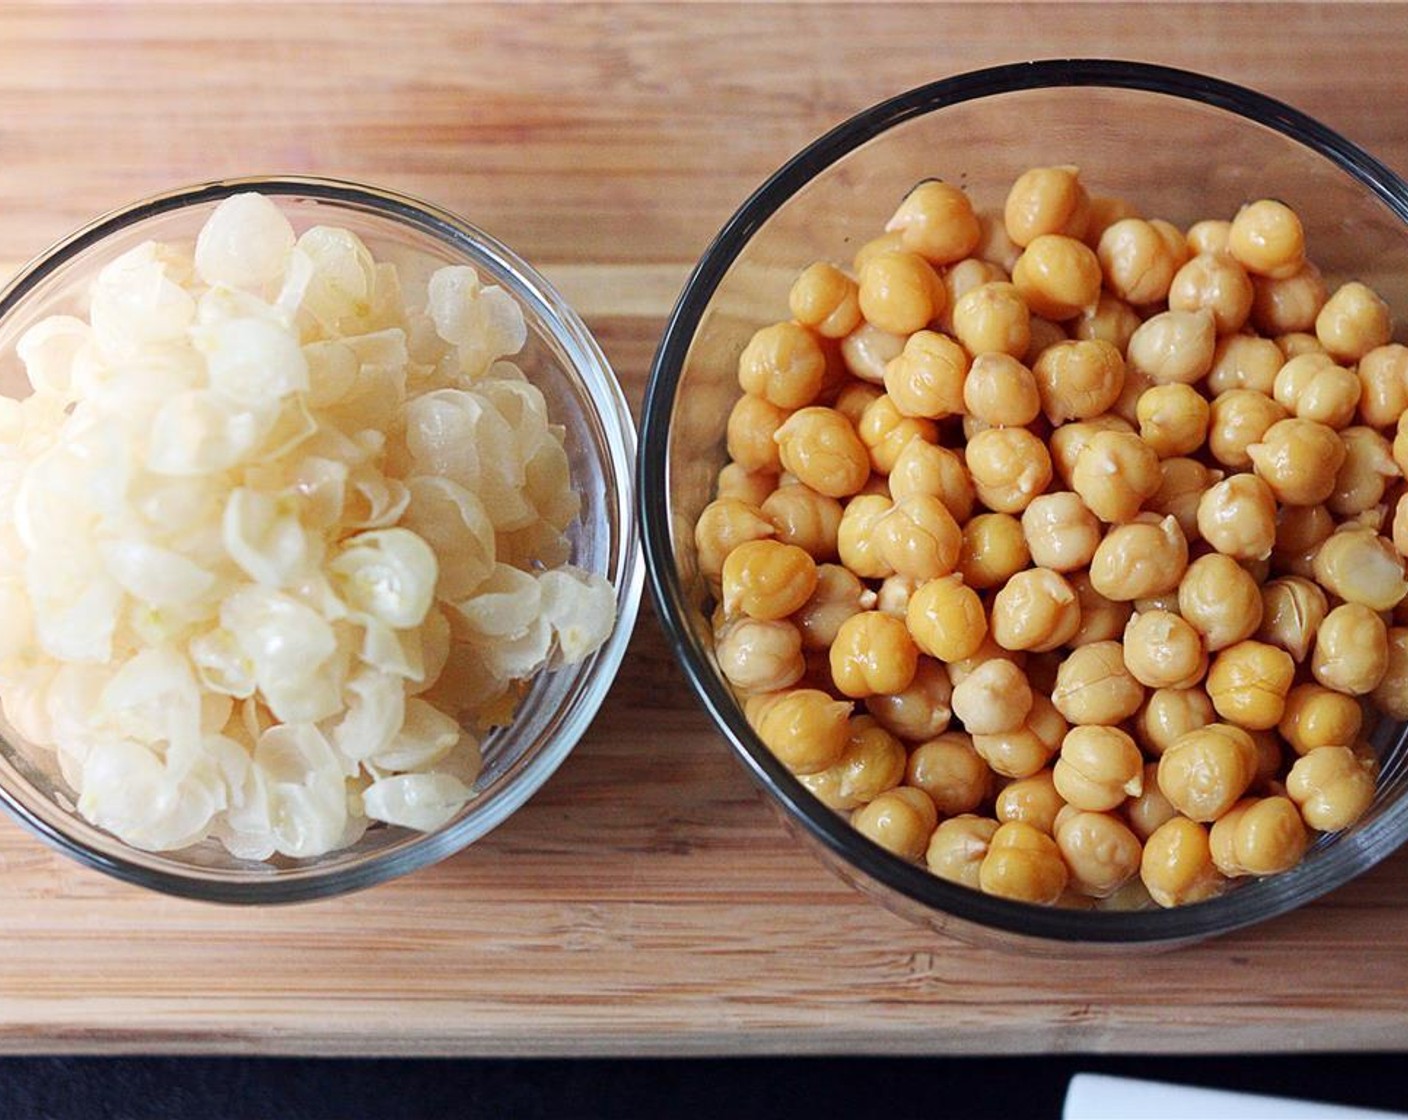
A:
[1180,146]
[583,396]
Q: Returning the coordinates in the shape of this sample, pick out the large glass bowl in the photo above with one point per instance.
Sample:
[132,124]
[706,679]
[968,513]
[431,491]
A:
[1183,147]
[583,396]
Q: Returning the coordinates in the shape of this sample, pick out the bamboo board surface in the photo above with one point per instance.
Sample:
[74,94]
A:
[646,901]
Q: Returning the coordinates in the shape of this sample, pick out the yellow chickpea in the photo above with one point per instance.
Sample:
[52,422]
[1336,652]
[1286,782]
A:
[1110,320]
[1098,768]
[1248,683]
[873,654]
[723,525]
[1100,850]
[958,847]
[960,279]
[884,431]
[1360,566]
[927,378]
[1069,440]
[758,656]
[1024,751]
[1313,387]
[1217,283]
[993,698]
[1161,650]
[1023,864]
[1078,379]
[994,549]
[1101,619]
[1211,235]
[946,619]
[921,711]
[1289,305]
[918,537]
[1258,836]
[867,350]
[1182,483]
[1267,239]
[1237,516]
[1032,800]
[751,486]
[1177,867]
[1244,361]
[1046,200]
[838,596]
[890,242]
[1220,600]
[1057,276]
[752,431]
[1094,686]
[1206,771]
[900,821]
[1009,467]
[804,518]
[821,448]
[1365,474]
[1173,419]
[1293,609]
[936,220]
[1114,474]
[926,468]
[806,729]
[1351,650]
[1140,560]
[1237,419]
[1137,262]
[1151,809]
[767,579]
[1299,460]
[872,763]
[993,318]
[1295,343]
[1390,695]
[1317,716]
[1036,610]
[1353,321]
[784,364]
[1061,532]
[1331,788]
[1000,390]
[825,299]
[900,292]
[951,772]
[1383,377]
[1105,211]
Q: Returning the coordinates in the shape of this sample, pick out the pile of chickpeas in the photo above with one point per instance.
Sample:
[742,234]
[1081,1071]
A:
[1062,549]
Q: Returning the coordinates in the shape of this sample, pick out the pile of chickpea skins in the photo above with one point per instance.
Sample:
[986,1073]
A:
[1120,501]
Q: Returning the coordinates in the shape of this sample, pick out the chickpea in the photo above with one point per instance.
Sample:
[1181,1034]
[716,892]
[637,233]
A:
[1206,771]
[900,292]
[993,698]
[1061,532]
[1244,361]
[890,242]
[1300,530]
[925,468]
[1221,601]
[1137,261]
[1110,320]
[1177,866]
[1353,321]
[900,821]
[1331,788]
[872,763]
[758,656]
[1360,566]
[994,549]
[1161,650]
[1035,610]
[1237,516]
[723,525]
[1289,305]
[825,299]
[804,518]
[946,620]
[958,847]
[1026,750]
[1000,390]
[1057,276]
[1114,474]
[1299,460]
[1293,609]
[1046,200]
[1105,211]
[1295,343]
[1248,683]
[1094,686]
[926,379]
[1364,475]
[751,433]
[1258,836]
[1098,768]
[1390,695]
[1101,619]
[936,220]
[1009,467]
[806,729]
[1351,650]
[1173,419]
[1317,716]
[852,401]
[873,654]
[767,579]
[784,364]
[1140,560]
[1237,419]
[1267,239]
[1211,235]
[918,537]
[822,449]
[1100,851]
[884,431]
[1069,440]
[1151,809]
[993,318]
[1383,377]
[752,487]
[867,350]
[988,650]
[1032,799]
[1313,387]
[951,772]
[838,596]
[1213,282]
[994,245]
[1023,864]
[1078,379]
[921,711]
[960,279]
[1181,486]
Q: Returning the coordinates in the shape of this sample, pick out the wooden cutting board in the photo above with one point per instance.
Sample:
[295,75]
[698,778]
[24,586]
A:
[647,901]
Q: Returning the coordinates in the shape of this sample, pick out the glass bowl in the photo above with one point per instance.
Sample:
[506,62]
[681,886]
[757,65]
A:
[583,396]
[1182,147]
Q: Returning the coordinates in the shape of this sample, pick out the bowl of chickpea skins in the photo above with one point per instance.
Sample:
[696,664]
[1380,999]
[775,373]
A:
[1022,486]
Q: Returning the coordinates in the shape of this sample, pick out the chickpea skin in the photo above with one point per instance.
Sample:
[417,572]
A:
[1383,377]
[1317,716]
[951,772]
[1365,474]
[1220,600]
[1293,609]
[936,220]
[899,820]
[1061,532]
[1258,836]
[1026,750]
[867,350]
[1169,713]
[1353,322]
[993,318]
[1173,419]
[1098,768]
[994,549]
[993,698]
[1351,650]
[1161,650]
[806,729]
[1023,864]
[1046,200]
[1009,467]
[873,653]
[1058,276]
[925,468]
[784,364]
[1205,772]
[767,579]
[1300,460]
[1114,474]
[900,292]
[1244,361]
[927,377]
[1100,850]
[825,299]
[1217,283]
[1137,262]
[1140,560]
[838,596]
[1360,566]
[958,847]
[946,619]
[1078,379]
[921,711]
[822,449]
[1237,516]
[1177,867]
[1036,610]
[918,537]
[751,433]
[1001,391]
[1094,686]
[1248,683]
[804,518]
[1032,799]
[1331,787]
[1267,239]
[759,656]
[1174,347]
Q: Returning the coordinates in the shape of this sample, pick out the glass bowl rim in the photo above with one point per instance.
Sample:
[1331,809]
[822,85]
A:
[1251,903]
[608,402]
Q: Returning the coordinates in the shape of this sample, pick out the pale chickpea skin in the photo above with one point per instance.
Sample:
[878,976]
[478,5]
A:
[751,434]
[926,468]
[1061,532]
[867,350]
[1313,387]
[1078,379]
[1220,600]
[759,656]
[1045,200]
[884,431]
[1299,460]
[1293,609]
[1181,486]
[1353,322]
[946,619]
[1217,283]
[1101,619]
[1351,650]
[900,292]
[1173,419]
[1317,716]
[872,763]
[737,481]
[1248,683]
[873,654]
[767,579]
[921,711]
[1009,467]
[1114,474]
[900,821]
[994,549]
[951,772]
[1360,566]
[1331,788]
[1289,305]
[1206,771]
[1267,239]
[822,449]
[1174,347]
[806,729]
[723,525]
[1026,750]
[1098,768]
[919,538]
[1244,361]
[839,594]
[1390,695]
[1035,610]
[1258,836]
[1094,686]
[825,299]
[937,221]
[1137,261]
[1110,320]
[1211,235]
[1069,440]
[1237,516]
[1100,850]
[1151,809]
[993,698]
[804,518]
[993,318]
[1001,391]
[1237,419]
[928,376]
[1365,474]
[1032,800]
[857,542]
[1023,864]
[1140,560]
[1161,650]
[1176,866]
[958,847]
[1057,276]
[1383,378]
[784,364]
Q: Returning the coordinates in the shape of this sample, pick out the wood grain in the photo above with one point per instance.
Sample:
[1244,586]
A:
[646,901]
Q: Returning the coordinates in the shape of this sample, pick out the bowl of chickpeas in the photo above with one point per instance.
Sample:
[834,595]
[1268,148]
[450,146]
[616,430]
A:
[1023,490]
